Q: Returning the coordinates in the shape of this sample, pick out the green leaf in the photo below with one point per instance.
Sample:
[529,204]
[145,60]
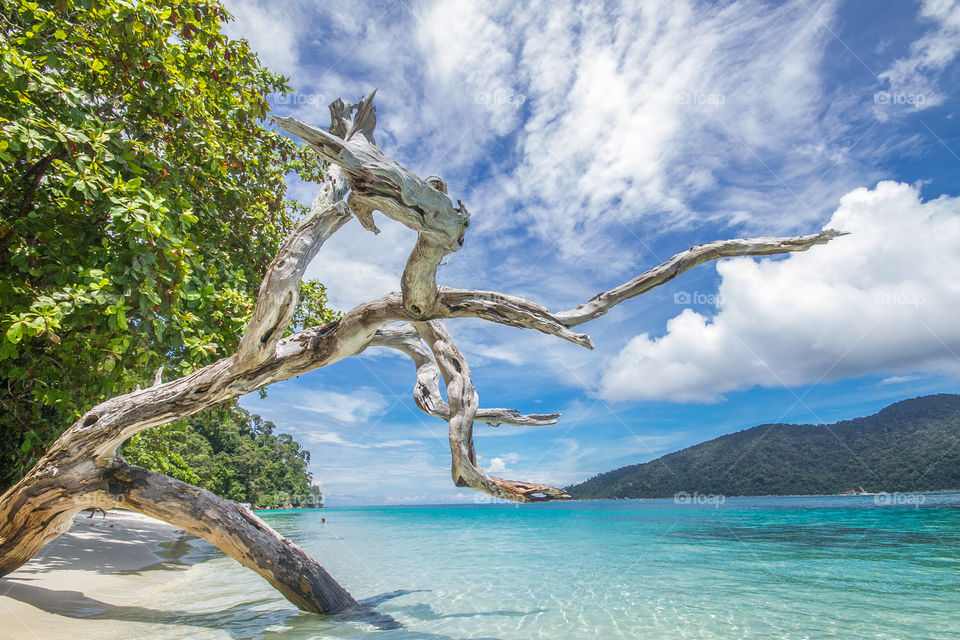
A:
[15,332]
[137,203]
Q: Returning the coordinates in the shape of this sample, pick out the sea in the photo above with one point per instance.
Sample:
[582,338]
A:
[698,566]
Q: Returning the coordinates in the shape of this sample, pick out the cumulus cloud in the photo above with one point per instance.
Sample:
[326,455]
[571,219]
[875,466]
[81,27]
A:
[500,463]
[883,300]
[913,80]
[497,465]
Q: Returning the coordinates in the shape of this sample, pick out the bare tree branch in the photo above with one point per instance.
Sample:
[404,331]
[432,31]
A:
[233,529]
[426,393]
[505,309]
[280,289]
[602,302]
[81,469]
[379,183]
[463,408]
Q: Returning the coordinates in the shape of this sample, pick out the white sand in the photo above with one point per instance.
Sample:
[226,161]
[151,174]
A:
[99,565]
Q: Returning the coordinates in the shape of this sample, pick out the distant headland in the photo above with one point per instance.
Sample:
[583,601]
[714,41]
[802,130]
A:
[912,445]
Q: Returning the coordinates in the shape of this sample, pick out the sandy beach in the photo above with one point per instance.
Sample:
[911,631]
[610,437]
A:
[104,569]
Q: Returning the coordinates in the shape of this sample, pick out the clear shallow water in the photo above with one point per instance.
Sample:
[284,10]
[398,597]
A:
[798,567]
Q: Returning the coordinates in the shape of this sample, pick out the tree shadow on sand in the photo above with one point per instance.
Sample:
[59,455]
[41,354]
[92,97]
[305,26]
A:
[244,619]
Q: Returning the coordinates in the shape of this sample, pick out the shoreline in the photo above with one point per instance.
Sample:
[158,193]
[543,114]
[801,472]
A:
[781,495]
[100,568]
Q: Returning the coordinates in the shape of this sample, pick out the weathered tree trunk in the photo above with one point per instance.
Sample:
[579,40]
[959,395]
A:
[233,529]
[82,470]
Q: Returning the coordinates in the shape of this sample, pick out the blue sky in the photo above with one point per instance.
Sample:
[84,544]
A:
[592,141]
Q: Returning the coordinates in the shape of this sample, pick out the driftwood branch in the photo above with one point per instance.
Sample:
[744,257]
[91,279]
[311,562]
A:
[426,393]
[684,261]
[378,183]
[462,397]
[280,289]
[233,529]
[82,470]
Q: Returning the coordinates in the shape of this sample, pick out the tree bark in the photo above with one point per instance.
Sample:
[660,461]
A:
[82,469]
[233,529]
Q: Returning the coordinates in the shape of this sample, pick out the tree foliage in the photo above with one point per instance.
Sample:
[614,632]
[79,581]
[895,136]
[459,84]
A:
[913,445]
[231,452]
[141,199]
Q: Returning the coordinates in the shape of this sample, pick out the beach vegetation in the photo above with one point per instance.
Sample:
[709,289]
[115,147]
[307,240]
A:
[141,200]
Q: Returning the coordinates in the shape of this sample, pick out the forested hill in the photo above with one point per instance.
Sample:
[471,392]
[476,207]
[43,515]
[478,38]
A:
[913,445]
[233,453]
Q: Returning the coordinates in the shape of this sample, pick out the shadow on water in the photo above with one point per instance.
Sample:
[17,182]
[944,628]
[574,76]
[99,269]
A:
[243,620]
[365,612]
[426,612]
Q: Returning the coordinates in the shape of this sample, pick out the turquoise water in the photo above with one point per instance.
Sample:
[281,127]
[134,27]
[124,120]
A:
[796,567]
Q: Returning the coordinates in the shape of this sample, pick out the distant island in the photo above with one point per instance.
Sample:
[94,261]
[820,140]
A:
[912,445]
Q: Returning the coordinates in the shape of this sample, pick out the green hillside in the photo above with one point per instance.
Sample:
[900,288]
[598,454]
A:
[913,445]
[231,452]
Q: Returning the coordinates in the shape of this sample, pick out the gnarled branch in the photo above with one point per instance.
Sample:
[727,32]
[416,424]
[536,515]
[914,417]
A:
[426,393]
[378,183]
[462,397]
[280,289]
[685,260]
[81,469]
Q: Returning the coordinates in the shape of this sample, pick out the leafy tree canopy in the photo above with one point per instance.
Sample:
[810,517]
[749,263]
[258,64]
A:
[232,453]
[141,199]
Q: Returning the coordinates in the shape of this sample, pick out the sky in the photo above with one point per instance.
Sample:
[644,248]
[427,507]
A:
[591,141]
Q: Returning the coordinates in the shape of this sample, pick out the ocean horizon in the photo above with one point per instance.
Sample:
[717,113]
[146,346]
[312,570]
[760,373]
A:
[869,566]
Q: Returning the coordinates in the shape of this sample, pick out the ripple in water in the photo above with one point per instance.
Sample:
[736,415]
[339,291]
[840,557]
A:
[753,568]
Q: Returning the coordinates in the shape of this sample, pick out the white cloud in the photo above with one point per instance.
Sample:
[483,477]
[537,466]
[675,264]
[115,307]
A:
[500,463]
[496,465]
[356,265]
[900,379]
[389,444]
[883,300]
[913,81]
[636,112]
[272,34]
[329,438]
[332,438]
[354,406]
[589,118]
